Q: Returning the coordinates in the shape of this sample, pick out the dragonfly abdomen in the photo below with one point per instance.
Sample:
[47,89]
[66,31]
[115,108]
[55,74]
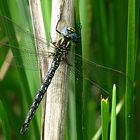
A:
[54,65]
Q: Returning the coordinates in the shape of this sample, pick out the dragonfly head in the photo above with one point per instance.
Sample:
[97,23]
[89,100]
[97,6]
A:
[70,33]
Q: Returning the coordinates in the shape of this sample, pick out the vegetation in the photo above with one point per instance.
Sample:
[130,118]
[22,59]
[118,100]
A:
[109,37]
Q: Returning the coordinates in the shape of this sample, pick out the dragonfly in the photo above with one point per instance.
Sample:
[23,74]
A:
[62,48]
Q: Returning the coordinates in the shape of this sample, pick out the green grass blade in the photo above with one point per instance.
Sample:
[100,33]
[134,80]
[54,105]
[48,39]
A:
[113,115]
[88,105]
[118,109]
[29,78]
[46,12]
[130,68]
[105,118]
[4,121]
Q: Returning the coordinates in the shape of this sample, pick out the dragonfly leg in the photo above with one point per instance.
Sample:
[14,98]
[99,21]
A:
[61,8]
[64,57]
[56,28]
[51,40]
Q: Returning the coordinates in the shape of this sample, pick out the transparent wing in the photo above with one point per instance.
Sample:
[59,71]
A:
[21,42]
[104,77]
[31,58]
[97,75]
[100,78]
[23,36]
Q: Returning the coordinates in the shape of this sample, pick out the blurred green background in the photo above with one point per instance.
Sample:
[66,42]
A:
[110,37]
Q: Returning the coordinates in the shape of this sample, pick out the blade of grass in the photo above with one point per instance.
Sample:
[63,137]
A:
[28,77]
[102,30]
[88,129]
[4,121]
[137,79]
[78,82]
[105,118]
[46,11]
[118,109]
[130,69]
[113,115]
[120,29]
